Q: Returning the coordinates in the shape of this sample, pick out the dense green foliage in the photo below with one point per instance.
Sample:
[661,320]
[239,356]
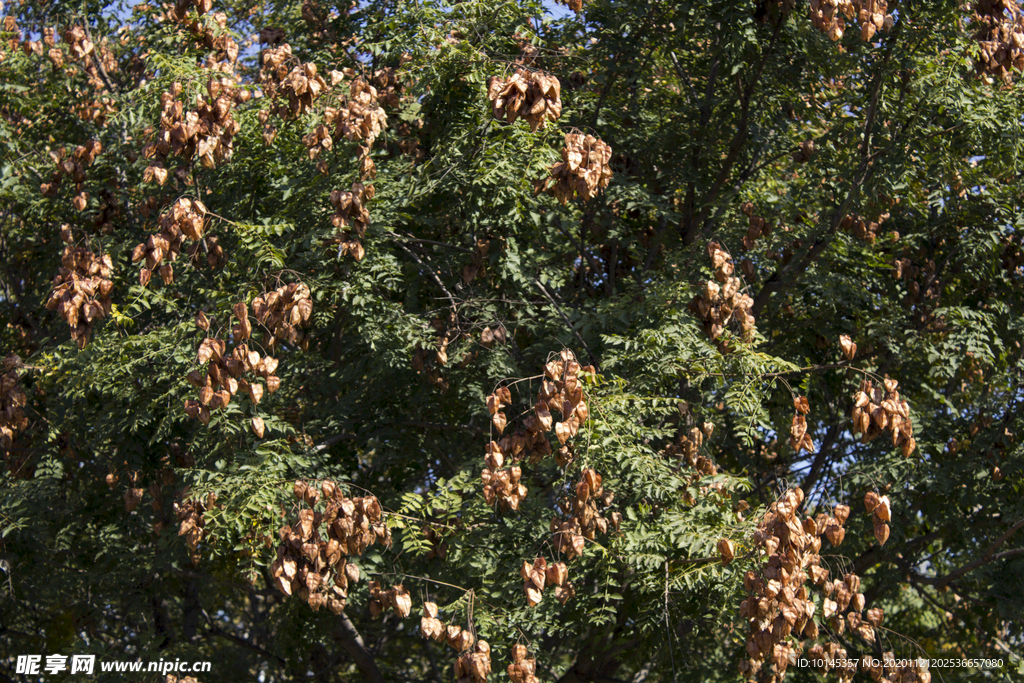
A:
[899,224]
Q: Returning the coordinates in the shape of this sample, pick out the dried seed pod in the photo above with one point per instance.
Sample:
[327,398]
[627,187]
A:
[881,530]
[884,510]
[584,169]
[841,513]
[726,551]
[848,347]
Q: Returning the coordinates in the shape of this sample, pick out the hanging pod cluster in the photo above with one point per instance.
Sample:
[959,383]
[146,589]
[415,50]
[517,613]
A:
[532,95]
[502,485]
[583,170]
[830,16]
[583,519]
[861,228]
[881,514]
[87,54]
[779,602]
[561,391]
[722,300]
[688,445]
[875,412]
[523,669]
[315,568]
[72,166]
[283,312]
[12,402]
[757,227]
[780,608]
[184,220]
[299,84]
[799,439]
[455,636]
[352,218]
[1000,37]
[214,35]
[224,376]
[396,598]
[81,289]
[206,132]
[473,663]
[190,513]
[540,574]
[359,118]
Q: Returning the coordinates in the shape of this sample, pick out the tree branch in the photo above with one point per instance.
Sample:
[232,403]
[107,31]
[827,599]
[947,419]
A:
[346,635]
[820,458]
[590,354]
[429,270]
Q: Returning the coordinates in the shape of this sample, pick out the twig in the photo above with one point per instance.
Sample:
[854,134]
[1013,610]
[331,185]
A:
[590,354]
[433,275]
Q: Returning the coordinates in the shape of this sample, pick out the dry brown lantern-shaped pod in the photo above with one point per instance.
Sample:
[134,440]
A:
[848,346]
[81,289]
[283,312]
[722,299]
[476,266]
[351,217]
[726,550]
[312,559]
[804,152]
[532,95]
[876,411]
[583,170]
[881,510]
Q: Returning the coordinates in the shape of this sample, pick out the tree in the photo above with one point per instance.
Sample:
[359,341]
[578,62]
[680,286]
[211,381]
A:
[644,341]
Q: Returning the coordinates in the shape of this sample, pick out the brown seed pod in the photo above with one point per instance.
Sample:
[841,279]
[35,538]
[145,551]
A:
[884,509]
[726,551]
[881,530]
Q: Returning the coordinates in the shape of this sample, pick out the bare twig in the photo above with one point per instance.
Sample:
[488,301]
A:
[590,354]
[434,276]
